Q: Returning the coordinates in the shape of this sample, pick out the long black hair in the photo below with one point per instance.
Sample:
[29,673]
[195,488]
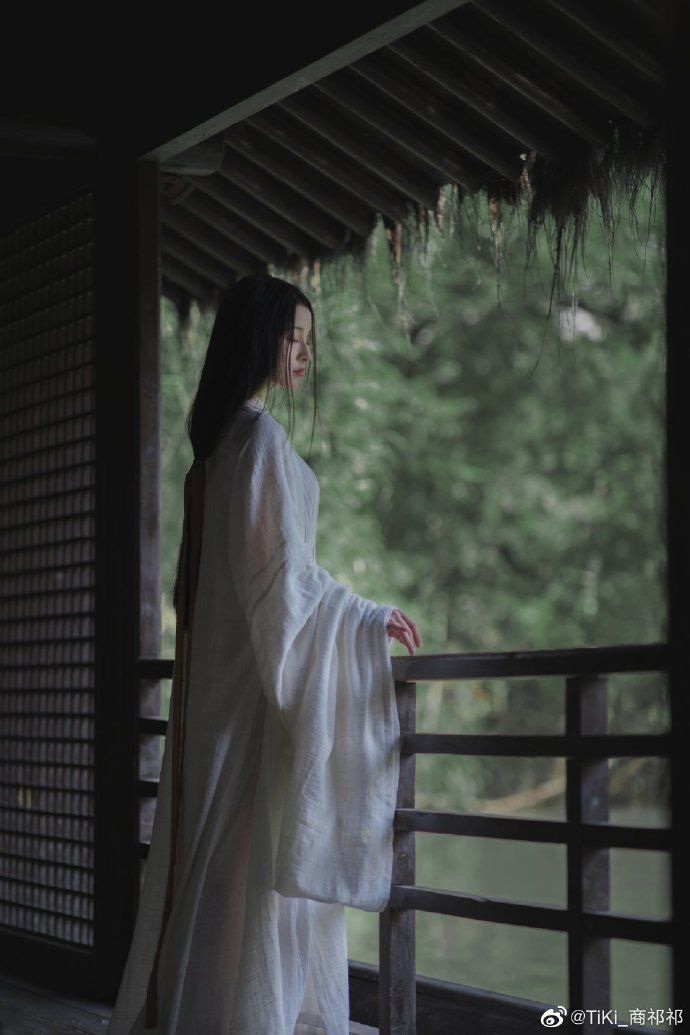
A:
[244,352]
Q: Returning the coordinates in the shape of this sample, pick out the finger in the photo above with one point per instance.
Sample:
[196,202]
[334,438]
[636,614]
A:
[402,636]
[413,627]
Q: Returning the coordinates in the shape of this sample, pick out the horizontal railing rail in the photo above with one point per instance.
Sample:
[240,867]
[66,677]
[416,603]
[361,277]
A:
[526,745]
[633,657]
[541,831]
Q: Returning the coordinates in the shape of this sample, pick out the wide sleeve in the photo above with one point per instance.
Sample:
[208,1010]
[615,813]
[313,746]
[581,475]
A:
[323,656]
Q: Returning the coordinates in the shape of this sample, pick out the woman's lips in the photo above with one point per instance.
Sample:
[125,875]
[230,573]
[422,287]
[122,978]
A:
[300,371]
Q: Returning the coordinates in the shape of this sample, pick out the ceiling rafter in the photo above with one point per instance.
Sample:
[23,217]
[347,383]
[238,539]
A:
[209,241]
[287,222]
[435,66]
[351,177]
[562,53]
[199,262]
[469,43]
[327,119]
[409,136]
[445,118]
[233,228]
[301,181]
[178,274]
[618,38]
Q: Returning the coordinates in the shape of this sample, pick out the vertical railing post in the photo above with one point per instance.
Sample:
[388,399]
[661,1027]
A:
[397,989]
[587,800]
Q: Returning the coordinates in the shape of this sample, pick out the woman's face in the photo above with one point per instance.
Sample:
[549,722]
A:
[297,351]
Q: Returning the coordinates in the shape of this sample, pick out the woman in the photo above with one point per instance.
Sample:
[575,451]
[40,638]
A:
[280,769]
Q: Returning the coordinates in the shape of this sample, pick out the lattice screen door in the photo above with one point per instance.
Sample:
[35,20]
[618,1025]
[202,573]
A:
[47,551]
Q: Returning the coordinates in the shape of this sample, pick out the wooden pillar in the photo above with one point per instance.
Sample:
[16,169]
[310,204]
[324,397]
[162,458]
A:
[677,482]
[589,963]
[397,982]
[126,331]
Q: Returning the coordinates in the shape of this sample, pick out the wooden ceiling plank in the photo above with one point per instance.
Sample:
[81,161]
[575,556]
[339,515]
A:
[651,9]
[437,70]
[211,243]
[177,273]
[305,107]
[425,106]
[407,133]
[261,210]
[615,38]
[469,43]
[331,163]
[518,22]
[173,291]
[190,256]
[312,188]
[235,230]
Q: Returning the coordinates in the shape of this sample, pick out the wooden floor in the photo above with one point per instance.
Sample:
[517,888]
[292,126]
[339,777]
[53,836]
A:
[27,1009]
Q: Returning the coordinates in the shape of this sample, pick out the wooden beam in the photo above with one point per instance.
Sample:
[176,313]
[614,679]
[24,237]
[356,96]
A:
[562,54]
[385,161]
[471,45]
[256,100]
[433,65]
[313,190]
[261,208]
[312,153]
[444,118]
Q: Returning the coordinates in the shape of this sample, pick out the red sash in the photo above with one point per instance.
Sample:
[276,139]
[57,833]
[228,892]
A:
[190,553]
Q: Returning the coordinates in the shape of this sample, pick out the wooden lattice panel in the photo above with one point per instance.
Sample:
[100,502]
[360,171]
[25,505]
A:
[47,561]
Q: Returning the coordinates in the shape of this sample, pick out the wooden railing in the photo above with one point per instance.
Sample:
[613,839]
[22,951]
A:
[586,745]
[586,833]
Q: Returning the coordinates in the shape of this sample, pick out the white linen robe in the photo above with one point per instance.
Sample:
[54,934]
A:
[290,775]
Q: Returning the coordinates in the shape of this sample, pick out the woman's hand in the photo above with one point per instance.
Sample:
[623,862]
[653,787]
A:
[403,629]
